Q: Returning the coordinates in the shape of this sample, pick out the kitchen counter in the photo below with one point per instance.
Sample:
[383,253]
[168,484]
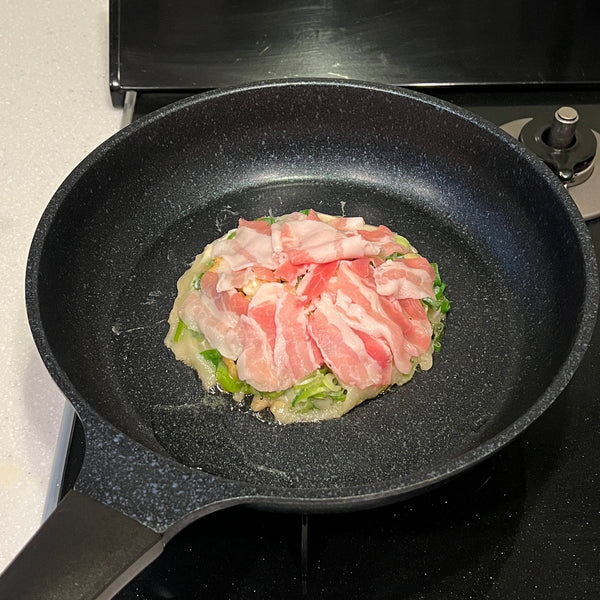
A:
[54,109]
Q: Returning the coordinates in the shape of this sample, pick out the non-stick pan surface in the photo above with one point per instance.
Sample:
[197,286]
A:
[125,225]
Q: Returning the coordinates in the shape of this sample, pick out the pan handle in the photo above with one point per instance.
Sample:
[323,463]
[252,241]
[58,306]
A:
[84,550]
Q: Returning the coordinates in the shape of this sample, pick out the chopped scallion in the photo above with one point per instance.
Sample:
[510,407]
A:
[181,327]
[394,256]
[212,355]
[268,220]
[318,386]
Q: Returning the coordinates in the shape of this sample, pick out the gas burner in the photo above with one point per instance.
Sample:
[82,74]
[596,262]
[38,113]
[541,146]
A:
[569,149]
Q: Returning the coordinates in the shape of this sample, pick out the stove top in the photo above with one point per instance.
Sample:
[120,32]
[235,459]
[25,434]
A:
[523,524]
[181,45]
[526,522]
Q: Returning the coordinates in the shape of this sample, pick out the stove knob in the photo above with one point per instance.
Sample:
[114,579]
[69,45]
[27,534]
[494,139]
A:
[562,131]
[563,144]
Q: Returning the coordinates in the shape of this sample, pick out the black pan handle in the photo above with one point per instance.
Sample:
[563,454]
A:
[84,550]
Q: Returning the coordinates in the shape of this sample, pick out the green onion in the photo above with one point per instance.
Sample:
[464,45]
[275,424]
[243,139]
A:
[269,220]
[229,383]
[439,303]
[226,382]
[394,256]
[439,288]
[438,330]
[196,281]
[212,355]
[181,326]
[320,385]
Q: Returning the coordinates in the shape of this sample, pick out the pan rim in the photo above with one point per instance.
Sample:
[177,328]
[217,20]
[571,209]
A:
[388,488]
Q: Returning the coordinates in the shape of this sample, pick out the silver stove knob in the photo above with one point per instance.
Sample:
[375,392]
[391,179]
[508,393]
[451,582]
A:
[562,131]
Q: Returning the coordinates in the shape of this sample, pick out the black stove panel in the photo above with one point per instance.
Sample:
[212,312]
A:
[182,45]
[524,524]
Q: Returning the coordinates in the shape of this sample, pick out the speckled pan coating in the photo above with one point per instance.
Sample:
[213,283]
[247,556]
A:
[122,228]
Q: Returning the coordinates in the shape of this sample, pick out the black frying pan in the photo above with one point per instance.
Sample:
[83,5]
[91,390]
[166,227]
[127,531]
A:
[161,452]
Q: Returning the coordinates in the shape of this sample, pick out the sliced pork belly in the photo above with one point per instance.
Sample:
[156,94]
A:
[406,278]
[215,315]
[262,309]
[276,325]
[372,314]
[289,272]
[258,333]
[316,280]
[347,223]
[317,242]
[410,315]
[251,246]
[255,363]
[243,279]
[278,225]
[385,238]
[295,351]
[344,350]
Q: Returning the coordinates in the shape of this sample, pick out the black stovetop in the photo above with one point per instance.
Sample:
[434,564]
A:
[525,523]
[174,45]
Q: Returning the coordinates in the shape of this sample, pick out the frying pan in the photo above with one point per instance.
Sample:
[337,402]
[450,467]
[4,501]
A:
[160,451]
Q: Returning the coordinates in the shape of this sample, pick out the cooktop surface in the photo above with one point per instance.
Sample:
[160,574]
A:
[524,524]
[182,45]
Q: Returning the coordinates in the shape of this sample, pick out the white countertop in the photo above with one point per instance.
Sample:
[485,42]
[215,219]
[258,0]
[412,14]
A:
[54,109]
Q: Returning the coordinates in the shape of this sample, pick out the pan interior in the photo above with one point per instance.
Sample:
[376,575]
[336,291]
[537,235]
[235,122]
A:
[117,247]
[448,409]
